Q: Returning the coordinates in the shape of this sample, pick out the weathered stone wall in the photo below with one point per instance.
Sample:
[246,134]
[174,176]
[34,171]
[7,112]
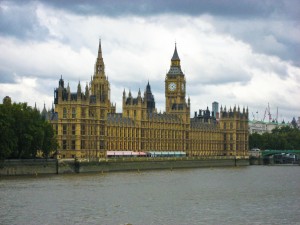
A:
[35,167]
[127,164]
[27,167]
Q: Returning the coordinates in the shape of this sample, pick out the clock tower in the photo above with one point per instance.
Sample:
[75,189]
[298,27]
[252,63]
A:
[175,90]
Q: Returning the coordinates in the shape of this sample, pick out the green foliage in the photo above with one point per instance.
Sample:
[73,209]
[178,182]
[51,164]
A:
[284,138]
[24,132]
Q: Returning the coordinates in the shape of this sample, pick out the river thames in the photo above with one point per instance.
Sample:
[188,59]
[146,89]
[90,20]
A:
[243,195]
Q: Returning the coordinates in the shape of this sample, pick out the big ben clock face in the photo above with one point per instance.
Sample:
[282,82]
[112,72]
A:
[172,86]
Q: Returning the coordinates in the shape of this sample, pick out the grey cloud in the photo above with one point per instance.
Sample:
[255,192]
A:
[267,36]
[239,8]
[20,21]
[6,77]
[244,19]
[269,27]
[224,75]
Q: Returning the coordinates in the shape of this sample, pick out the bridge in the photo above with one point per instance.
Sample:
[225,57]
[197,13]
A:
[268,152]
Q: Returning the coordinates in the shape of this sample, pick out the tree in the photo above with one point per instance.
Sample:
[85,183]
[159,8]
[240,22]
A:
[49,141]
[284,138]
[255,140]
[7,136]
[24,132]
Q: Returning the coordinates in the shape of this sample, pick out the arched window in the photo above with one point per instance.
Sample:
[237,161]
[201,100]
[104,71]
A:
[64,113]
[73,113]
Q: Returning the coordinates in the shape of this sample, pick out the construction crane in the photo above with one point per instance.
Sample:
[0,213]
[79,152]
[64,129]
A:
[267,111]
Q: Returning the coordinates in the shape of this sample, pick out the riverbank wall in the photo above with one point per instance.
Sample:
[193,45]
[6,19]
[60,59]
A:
[36,167]
[28,167]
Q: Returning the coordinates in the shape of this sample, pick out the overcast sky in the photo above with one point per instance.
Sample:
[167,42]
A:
[240,52]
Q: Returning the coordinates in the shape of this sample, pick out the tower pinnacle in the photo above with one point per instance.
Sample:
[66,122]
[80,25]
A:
[175,55]
[175,61]
[99,50]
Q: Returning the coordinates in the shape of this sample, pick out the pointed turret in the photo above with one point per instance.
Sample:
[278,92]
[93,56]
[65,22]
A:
[149,98]
[175,61]
[148,88]
[79,91]
[99,66]
[175,68]
[175,55]
[79,88]
[99,50]
[87,93]
[44,112]
[68,88]
[129,94]
[61,82]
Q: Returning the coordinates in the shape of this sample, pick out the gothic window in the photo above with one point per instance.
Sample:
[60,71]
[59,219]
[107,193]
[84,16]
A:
[82,129]
[82,144]
[91,113]
[83,113]
[101,144]
[73,113]
[143,133]
[64,144]
[64,129]
[73,129]
[73,145]
[64,113]
[102,129]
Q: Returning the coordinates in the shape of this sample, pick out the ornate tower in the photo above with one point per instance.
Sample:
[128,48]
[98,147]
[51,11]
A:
[99,85]
[149,99]
[175,91]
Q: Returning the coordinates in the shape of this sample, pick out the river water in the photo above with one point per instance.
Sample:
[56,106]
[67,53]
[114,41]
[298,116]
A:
[243,195]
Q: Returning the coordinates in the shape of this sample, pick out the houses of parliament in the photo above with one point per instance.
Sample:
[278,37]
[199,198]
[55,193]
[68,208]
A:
[87,125]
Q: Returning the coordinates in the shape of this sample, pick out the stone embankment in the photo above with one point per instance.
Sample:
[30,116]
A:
[42,166]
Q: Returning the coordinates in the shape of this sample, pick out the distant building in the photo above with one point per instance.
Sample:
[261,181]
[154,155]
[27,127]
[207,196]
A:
[261,127]
[294,123]
[215,110]
[6,100]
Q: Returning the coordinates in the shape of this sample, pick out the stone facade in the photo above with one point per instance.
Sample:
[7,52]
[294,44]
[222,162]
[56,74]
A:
[87,125]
